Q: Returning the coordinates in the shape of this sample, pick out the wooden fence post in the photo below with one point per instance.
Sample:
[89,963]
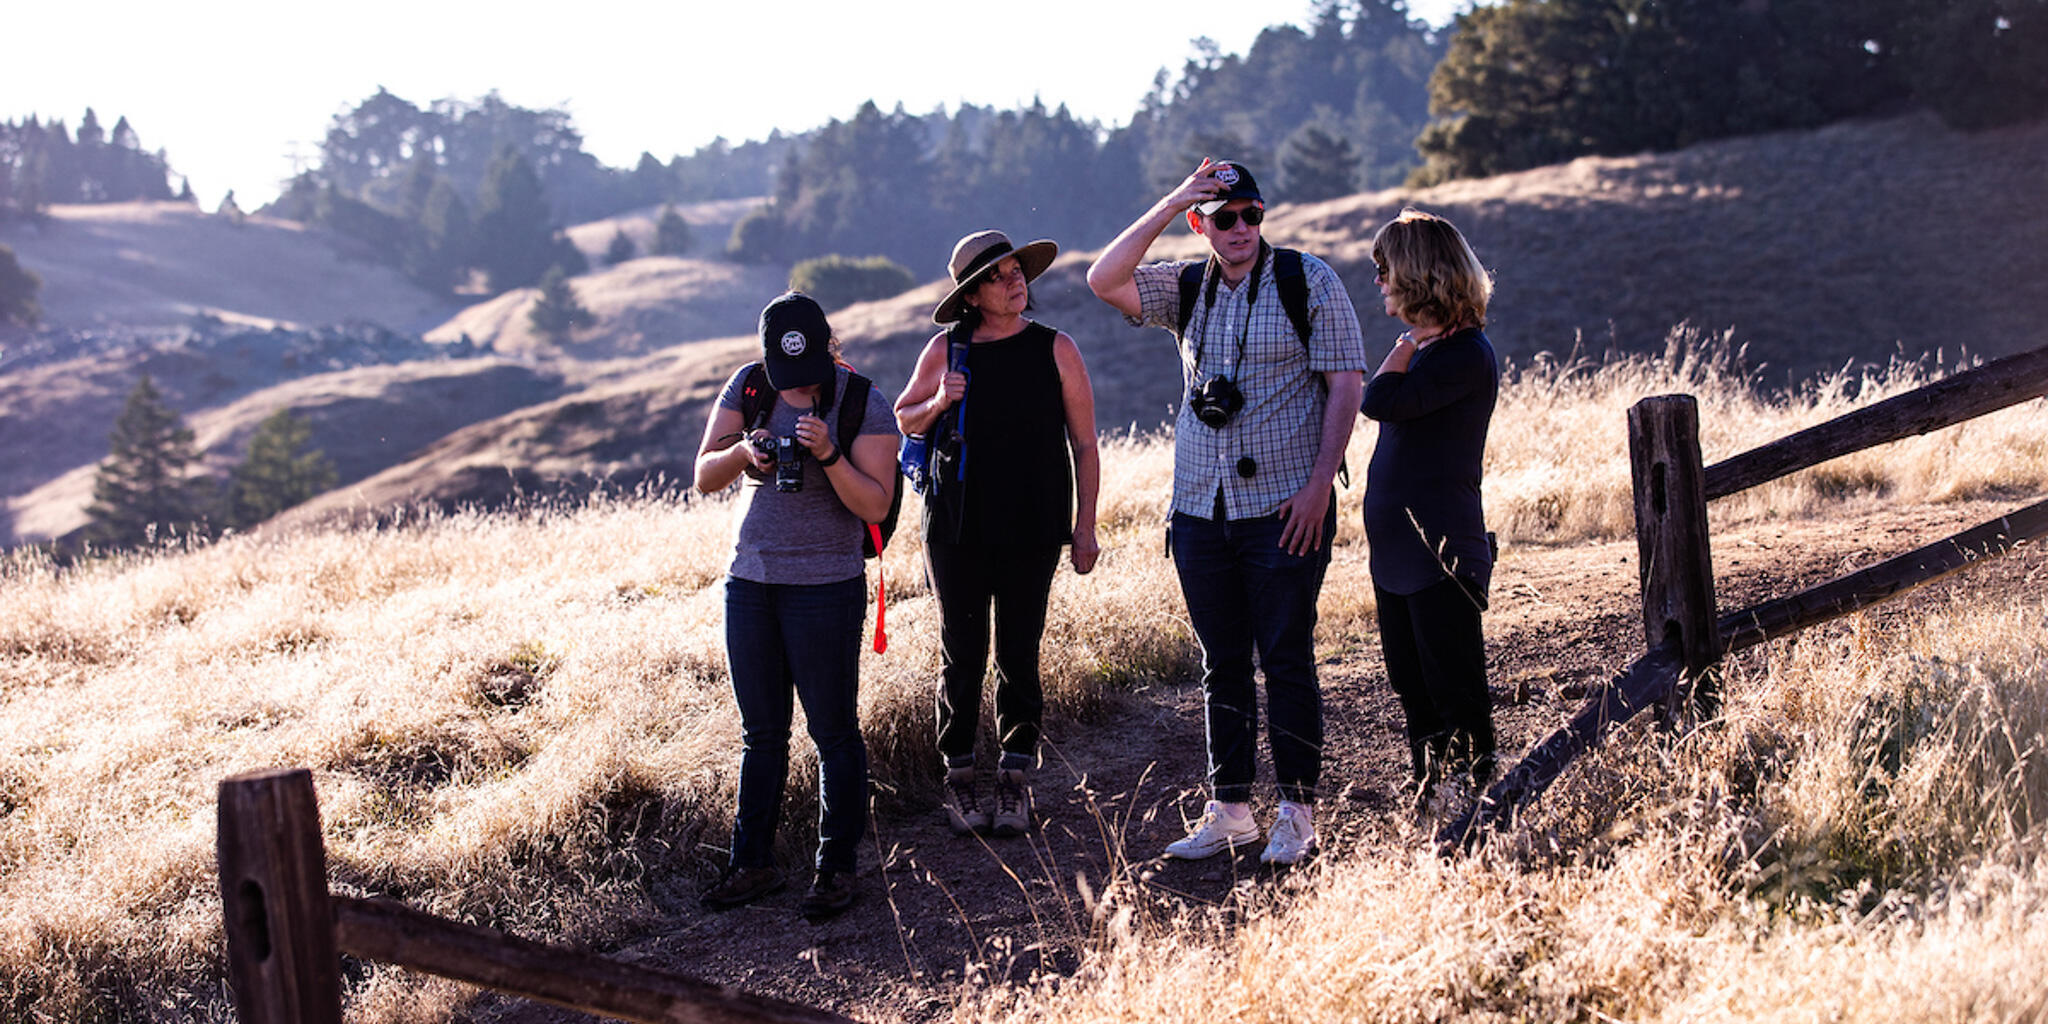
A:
[1675,556]
[282,962]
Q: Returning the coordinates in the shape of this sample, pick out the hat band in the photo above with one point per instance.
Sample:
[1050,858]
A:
[983,259]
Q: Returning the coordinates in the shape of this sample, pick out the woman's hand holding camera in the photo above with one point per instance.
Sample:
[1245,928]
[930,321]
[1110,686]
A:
[813,435]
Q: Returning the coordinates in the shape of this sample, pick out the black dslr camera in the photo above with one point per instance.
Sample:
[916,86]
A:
[788,457]
[1215,401]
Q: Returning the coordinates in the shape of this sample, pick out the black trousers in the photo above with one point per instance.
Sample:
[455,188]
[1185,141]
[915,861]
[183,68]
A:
[970,579]
[1436,663]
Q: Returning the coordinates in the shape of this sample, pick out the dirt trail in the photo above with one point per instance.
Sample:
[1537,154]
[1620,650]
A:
[940,908]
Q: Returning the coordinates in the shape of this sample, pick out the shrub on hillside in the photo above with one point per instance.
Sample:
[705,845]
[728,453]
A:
[837,281]
[18,287]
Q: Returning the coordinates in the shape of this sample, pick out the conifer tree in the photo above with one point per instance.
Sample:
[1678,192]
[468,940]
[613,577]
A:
[559,311]
[277,473]
[18,287]
[514,229]
[671,233]
[1315,165]
[143,491]
[621,249]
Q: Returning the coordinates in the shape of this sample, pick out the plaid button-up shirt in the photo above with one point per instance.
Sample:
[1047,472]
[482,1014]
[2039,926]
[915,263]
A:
[1281,423]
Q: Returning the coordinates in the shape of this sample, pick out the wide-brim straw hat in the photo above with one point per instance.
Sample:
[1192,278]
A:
[977,254]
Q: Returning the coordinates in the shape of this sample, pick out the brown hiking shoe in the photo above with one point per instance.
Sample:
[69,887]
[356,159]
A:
[741,886]
[964,812]
[1013,804]
[829,896]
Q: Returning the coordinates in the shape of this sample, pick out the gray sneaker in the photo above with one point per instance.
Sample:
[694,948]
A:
[964,813]
[1013,804]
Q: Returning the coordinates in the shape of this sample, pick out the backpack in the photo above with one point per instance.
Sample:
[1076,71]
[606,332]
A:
[757,401]
[1288,277]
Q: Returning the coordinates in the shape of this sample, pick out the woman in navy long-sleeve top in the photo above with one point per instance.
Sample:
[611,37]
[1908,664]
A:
[1431,557]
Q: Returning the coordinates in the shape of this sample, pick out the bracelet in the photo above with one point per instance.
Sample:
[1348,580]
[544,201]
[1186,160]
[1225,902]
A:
[829,459]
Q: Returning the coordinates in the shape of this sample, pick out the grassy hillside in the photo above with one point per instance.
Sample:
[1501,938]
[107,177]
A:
[522,719]
[164,263]
[1809,251]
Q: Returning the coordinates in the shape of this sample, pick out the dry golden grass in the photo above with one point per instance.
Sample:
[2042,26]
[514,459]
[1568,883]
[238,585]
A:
[1859,839]
[522,719]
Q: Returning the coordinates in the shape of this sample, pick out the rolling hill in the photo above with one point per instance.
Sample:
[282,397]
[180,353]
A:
[1814,250]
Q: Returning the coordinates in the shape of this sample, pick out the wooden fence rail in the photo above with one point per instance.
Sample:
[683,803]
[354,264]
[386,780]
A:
[1685,637]
[285,934]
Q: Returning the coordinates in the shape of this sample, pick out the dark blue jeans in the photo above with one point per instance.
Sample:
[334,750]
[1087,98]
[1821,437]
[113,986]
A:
[783,639]
[1245,594]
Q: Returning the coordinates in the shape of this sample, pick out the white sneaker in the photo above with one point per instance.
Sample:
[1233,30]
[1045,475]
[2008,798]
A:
[1294,835]
[1221,827]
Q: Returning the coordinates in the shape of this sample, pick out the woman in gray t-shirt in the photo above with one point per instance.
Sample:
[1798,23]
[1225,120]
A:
[795,591]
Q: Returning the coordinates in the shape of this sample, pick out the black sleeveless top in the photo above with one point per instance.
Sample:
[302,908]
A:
[1019,486]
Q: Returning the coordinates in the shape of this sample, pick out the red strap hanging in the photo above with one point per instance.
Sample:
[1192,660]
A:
[881,593]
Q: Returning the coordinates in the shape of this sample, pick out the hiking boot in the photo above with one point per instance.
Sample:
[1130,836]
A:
[1293,836]
[1221,827]
[830,894]
[738,887]
[963,806]
[1012,816]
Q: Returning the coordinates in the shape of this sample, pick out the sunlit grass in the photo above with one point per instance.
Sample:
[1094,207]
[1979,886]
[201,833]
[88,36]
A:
[523,719]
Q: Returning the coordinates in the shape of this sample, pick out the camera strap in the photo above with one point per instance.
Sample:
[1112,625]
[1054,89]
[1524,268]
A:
[1213,272]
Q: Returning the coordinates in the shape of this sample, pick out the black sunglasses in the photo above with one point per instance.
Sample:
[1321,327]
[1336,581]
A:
[1227,219]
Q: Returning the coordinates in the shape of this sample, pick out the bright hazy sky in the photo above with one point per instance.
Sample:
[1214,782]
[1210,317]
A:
[231,88]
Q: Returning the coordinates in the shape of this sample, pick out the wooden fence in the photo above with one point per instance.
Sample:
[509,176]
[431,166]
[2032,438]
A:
[1685,637]
[286,934]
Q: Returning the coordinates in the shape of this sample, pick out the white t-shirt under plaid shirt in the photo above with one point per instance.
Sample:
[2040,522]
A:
[1281,423]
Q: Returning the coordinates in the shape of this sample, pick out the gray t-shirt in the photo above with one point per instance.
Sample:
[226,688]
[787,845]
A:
[806,536]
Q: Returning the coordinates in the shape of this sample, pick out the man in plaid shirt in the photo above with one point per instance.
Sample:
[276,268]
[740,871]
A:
[1257,445]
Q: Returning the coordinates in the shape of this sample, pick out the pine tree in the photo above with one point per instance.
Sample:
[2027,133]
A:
[514,229]
[18,287]
[621,249]
[559,311]
[1315,165]
[671,233]
[142,490]
[277,473]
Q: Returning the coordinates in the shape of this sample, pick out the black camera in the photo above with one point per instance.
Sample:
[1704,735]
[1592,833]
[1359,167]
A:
[1215,401]
[789,464]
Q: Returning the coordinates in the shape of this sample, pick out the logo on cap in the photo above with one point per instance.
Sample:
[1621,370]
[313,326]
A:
[793,343]
[1227,175]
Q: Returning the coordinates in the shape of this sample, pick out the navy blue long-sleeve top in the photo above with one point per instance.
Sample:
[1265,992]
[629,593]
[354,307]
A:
[1423,521]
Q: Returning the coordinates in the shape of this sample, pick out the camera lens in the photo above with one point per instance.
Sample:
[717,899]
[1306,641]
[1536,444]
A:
[789,466]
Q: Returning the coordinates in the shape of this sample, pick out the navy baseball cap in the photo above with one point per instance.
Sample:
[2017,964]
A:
[796,342]
[1237,182]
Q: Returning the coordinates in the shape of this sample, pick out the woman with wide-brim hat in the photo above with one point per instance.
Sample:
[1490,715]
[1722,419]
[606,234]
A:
[1015,395]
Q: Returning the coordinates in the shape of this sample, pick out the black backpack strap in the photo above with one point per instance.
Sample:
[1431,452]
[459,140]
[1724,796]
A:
[1292,283]
[1190,287]
[853,410]
[757,398]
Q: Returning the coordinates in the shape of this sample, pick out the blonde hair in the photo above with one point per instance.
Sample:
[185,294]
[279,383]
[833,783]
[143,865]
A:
[1435,276]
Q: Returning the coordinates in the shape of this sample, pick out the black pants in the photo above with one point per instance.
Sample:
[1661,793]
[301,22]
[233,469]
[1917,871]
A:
[1436,663]
[1015,579]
